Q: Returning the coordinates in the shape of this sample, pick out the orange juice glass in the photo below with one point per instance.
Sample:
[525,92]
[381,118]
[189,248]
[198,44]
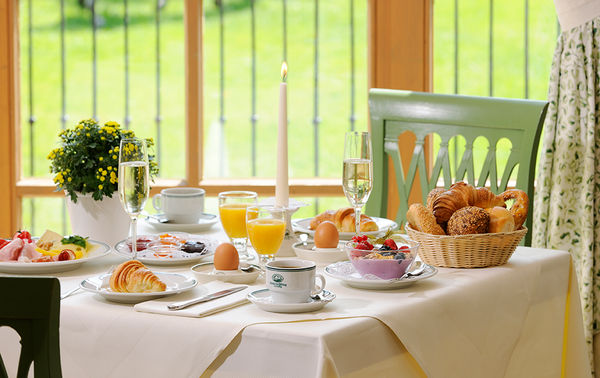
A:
[266,230]
[232,211]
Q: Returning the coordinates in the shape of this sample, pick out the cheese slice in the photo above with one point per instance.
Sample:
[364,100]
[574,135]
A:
[48,239]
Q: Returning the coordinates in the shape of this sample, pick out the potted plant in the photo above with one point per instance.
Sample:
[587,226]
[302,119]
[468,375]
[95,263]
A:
[85,166]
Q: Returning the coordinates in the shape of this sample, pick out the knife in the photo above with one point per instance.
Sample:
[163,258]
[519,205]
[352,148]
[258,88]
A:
[206,298]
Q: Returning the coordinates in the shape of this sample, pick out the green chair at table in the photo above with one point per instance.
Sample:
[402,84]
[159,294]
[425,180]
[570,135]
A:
[31,305]
[394,112]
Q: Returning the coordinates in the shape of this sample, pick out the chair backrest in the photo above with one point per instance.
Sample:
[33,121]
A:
[394,112]
[31,305]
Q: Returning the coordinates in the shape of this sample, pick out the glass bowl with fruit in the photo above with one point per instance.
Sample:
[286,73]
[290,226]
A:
[384,258]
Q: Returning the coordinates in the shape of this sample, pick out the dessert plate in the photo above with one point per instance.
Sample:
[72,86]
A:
[345,272]
[307,251]
[207,272]
[176,283]
[205,222]
[177,257]
[262,298]
[97,250]
[303,225]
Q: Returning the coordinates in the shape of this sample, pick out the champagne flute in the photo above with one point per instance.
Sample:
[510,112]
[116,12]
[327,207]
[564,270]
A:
[134,185]
[358,171]
[266,229]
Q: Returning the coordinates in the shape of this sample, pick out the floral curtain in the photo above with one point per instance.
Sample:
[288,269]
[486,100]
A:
[567,198]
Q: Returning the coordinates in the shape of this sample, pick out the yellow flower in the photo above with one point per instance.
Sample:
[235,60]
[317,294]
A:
[117,149]
[87,134]
[100,158]
[104,173]
[100,131]
[115,157]
[70,179]
[102,178]
[103,138]
[109,168]
[100,186]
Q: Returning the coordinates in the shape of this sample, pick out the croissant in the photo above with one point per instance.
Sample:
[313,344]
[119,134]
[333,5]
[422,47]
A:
[461,195]
[344,220]
[133,277]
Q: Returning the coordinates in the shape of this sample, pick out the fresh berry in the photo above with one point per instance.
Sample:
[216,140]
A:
[25,235]
[399,256]
[384,247]
[359,238]
[404,248]
[364,245]
[390,243]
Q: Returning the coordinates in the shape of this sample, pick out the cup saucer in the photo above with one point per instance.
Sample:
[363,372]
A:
[205,222]
[262,298]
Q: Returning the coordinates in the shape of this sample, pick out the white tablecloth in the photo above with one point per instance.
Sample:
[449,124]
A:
[507,321]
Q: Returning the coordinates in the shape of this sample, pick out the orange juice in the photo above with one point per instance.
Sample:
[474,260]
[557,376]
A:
[233,218]
[266,235]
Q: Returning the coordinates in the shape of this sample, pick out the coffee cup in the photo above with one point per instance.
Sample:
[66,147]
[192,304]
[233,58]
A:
[293,281]
[180,205]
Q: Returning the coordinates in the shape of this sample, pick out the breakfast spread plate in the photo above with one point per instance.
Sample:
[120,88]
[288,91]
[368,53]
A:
[205,222]
[303,225]
[206,272]
[345,272]
[262,298]
[172,248]
[308,251]
[175,284]
[96,249]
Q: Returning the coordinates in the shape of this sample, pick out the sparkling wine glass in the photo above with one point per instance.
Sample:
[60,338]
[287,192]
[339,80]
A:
[134,185]
[357,178]
[232,211]
[266,229]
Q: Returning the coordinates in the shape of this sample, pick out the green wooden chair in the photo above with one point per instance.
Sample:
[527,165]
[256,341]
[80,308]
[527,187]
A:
[394,112]
[31,305]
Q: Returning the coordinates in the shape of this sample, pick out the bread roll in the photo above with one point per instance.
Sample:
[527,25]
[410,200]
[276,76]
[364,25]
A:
[421,219]
[461,195]
[520,207]
[133,277]
[501,220]
[468,220]
[433,194]
[344,220]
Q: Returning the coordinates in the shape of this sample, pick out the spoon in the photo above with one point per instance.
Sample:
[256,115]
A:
[244,266]
[416,272]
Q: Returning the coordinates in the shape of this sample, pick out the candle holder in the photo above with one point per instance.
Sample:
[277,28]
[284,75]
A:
[289,239]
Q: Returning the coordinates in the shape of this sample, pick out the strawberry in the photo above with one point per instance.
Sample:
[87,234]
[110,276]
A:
[364,245]
[390,243]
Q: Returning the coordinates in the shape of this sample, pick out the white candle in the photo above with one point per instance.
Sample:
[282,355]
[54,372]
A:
[282,189]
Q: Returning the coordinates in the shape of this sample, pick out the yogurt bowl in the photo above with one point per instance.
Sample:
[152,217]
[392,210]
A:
[382,261]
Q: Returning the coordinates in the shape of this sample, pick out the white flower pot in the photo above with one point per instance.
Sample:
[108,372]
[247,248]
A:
[103,220]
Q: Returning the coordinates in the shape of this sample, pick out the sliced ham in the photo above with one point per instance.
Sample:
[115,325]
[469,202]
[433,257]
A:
[29,253]
[12,250]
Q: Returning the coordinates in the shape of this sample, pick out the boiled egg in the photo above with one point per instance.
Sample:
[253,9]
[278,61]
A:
[226,257]
[326,235]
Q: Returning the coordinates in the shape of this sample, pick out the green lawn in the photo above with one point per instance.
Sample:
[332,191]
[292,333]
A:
[334,75]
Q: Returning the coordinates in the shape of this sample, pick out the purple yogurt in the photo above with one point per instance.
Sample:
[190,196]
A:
[383,268]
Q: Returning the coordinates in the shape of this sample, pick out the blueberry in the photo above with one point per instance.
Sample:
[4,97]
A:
[384,248]
[399,256]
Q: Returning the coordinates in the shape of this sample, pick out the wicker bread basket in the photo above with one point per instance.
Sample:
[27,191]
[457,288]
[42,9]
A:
[467,251]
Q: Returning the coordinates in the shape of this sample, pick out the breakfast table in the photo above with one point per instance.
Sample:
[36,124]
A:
[522,319]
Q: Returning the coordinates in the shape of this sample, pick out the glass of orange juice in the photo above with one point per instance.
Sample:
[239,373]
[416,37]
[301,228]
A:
[266,229]
[232,211]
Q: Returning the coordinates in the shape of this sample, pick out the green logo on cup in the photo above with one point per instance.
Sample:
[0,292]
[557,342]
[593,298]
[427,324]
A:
[277,277]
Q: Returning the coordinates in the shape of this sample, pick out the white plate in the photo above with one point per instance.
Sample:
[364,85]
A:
[306,251]
[176,283]
[205,223]
[303,225]
[345,272]
[178,258]
[100,249]
[262,298]
[207,272]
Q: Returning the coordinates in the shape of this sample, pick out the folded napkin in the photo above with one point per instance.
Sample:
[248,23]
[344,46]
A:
[159,306]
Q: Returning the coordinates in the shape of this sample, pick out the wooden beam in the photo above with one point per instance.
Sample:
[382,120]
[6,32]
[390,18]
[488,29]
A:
[310,187]
[193,20]
[400,57]
[9,115]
